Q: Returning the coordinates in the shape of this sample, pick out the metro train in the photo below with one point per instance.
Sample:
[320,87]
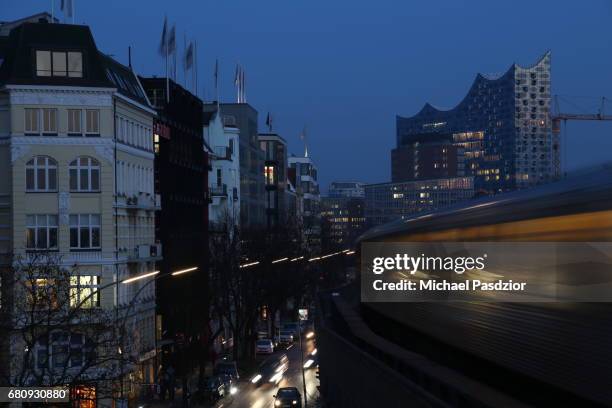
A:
[567,346]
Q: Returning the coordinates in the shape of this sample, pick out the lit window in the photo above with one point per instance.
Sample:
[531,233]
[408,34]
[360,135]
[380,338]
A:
[84,291]
[41,232]
[269,174]
[41,293]
[85,231]
[84,174]
[41,174]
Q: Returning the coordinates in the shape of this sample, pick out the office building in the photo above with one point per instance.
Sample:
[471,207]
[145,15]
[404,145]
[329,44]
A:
[386,202]
[303,174]
[275,175]
[181,180]
[252,186]
[503,125]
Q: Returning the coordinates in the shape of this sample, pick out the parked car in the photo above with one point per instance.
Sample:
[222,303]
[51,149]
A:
[288,397]
[227,367]
[264,346]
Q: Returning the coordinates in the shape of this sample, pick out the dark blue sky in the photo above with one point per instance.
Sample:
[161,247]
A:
[346,68]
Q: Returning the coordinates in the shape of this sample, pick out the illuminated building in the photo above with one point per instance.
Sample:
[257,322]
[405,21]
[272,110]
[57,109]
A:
[386,202]
[275,175]
[503,125]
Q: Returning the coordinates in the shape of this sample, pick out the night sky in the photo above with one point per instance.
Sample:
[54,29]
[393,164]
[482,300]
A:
[346,68]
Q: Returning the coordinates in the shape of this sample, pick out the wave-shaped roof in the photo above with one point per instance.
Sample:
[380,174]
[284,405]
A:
[428,108]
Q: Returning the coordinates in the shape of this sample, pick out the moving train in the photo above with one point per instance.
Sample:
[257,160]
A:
[565,346]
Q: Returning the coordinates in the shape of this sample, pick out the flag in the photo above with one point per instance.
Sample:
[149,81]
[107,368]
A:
[189,56]
[269,121]
[237,76]
[172,40]
[163,44]
[66,7]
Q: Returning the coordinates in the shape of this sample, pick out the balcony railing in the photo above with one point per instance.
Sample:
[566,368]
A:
[146,252]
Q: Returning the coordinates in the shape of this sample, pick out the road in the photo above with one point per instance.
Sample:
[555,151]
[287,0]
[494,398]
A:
[249,396]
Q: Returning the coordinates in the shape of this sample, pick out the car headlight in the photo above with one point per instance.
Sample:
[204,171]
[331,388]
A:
[294,402]
[277,403]
[233,390]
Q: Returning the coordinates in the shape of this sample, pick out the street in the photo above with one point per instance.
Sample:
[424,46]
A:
[249,396]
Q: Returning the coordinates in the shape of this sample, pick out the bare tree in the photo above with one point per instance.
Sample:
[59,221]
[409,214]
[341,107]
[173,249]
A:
[53,329]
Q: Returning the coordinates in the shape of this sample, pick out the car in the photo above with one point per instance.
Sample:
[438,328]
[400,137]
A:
[215,388]
[285,337]
[294,328]
[227,367]
[288,397]
[272,370]
[264,346]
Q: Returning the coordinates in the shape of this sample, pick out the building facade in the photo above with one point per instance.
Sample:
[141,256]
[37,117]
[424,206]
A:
[386,202]
[252,185]
[503,125]
[222,140]
[77,188]
[303,174]
[275,177]
[426,157]
[181,180]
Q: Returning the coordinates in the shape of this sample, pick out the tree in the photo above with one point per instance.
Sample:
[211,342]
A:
[54,331]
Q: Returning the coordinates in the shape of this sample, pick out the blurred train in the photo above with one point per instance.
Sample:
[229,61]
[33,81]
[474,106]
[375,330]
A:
[567,346]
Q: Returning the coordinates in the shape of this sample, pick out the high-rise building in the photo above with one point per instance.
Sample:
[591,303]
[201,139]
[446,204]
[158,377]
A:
[346,189]
[181,180]
[503,125]
[76,152]
[386,202]
[275,174]
[252,186]
[221,138]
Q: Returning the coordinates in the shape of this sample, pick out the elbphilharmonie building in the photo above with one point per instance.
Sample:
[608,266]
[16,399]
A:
[503,125]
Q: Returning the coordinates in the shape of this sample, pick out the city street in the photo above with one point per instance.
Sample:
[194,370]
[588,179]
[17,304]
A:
[259,397]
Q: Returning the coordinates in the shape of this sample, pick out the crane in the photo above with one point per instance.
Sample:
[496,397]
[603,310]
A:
[558,116]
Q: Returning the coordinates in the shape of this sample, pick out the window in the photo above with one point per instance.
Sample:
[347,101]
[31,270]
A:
[59,64]
[74,122]
[84,291]
[50,121]
[269,174]
[84,174]
[41,293]
[219,178]
[31,122]
[41,174]
[63,349]
[93,122]
[41,232]
[85,231]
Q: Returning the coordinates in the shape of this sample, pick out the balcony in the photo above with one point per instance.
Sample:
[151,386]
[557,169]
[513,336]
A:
[218,191]
[144,253]
[142,201]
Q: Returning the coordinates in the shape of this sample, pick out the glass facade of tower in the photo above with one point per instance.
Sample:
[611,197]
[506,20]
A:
[504,126]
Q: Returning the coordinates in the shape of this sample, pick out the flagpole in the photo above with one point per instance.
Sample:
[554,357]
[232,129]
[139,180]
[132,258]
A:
[52,11]
[73,8]
[195,50]
[167,73]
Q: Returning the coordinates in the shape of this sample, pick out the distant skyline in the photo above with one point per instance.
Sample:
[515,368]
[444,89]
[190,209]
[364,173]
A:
[346,69]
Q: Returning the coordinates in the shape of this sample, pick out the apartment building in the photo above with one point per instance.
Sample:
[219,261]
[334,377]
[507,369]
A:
[76,158]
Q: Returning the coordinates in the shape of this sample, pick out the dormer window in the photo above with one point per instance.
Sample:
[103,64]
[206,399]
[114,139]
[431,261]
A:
[59,64]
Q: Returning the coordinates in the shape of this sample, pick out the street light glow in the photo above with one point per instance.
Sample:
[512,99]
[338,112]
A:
[184,271]
[314,259]
[350,252]
[249,264]
[139,277]
[297,259]
[279,260]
